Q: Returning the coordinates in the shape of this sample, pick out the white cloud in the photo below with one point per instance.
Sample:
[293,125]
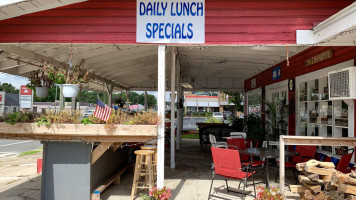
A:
[16,81]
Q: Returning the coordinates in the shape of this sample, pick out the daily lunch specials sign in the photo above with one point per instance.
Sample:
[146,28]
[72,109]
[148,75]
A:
[170,21]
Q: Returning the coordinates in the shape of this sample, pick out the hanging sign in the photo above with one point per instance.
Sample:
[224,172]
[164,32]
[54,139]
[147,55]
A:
[170,21]
[321,57]
[276,73]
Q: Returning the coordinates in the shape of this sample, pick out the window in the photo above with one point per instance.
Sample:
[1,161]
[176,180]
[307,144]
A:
[14,109]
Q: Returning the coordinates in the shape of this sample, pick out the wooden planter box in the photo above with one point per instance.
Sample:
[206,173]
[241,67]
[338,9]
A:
[78,132]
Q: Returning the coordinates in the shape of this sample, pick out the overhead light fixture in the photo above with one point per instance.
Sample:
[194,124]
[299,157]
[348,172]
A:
[187,85]
[9,2]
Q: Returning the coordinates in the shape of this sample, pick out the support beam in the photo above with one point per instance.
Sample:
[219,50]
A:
[146,106]
[73,103]
[109,88]
[128,99]
[99,151]
[173,97]
[342,21]
[161,114]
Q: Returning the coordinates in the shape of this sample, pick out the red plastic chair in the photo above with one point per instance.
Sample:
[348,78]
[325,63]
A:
[240,144]
[344,162]
[228,165]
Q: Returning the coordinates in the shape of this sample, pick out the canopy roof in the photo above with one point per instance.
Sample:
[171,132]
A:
[134,67]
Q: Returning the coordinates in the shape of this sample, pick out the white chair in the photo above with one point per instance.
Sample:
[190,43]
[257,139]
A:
[239,134]
[214,143]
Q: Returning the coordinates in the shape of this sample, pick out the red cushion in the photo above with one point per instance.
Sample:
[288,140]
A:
[255,163]
[288,164]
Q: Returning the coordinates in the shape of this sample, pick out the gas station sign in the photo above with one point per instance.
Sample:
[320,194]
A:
[25,98]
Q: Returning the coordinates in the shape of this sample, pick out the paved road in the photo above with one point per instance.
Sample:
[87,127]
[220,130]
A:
[190,123]
[14,147]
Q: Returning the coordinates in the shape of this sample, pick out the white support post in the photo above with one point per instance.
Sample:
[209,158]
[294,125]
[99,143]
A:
[146,107]
[281,165]
[161,114]
[61,98]
[173,97]
[179,113]
[73,103]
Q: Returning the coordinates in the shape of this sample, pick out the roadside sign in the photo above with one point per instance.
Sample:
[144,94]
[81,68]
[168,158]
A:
[25,98]
[170,21]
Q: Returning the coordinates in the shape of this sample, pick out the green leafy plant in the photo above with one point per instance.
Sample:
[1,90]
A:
[43,121]
[237,123]
[86,121]
[268,194]
[276,119]
[19,117]
[253,127]
[213,120]
[157,194]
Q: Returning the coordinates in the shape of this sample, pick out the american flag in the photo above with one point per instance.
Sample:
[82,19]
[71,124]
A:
[102,111]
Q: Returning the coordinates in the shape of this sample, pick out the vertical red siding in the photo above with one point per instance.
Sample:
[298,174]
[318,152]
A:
[227,21]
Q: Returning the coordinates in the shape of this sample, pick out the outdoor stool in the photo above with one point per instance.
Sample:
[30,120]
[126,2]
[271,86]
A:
[151,142]
[143,167]
[154,160]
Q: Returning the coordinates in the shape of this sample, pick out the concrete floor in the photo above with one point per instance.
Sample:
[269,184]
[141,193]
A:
[189,181]
[192,178]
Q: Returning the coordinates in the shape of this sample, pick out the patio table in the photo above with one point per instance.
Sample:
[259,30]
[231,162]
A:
[267,154]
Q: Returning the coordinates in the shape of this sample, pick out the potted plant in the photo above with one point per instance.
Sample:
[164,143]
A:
[70,79]
[40,82]
[276,119]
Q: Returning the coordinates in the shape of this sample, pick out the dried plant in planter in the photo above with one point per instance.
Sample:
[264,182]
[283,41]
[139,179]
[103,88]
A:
[39,79]
[74,74]
[125,118]
[63,117]
[19,117]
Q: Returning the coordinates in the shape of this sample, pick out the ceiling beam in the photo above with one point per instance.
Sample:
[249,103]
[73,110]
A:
[40,58]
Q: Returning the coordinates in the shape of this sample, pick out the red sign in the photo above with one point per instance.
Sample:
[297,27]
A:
[25,90]
[0,97]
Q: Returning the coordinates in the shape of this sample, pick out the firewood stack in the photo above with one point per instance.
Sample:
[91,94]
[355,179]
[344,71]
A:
[320,180]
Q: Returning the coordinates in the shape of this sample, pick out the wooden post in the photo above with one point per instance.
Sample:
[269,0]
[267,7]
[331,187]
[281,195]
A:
[109,89]
[128,99]
[161,106]
[281,165]
[173,97]
[146,107]
[179,108]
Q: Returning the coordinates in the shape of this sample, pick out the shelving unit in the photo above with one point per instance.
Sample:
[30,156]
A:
[319,116]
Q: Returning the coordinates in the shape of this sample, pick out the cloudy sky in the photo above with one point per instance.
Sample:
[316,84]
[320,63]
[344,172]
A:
[16,81]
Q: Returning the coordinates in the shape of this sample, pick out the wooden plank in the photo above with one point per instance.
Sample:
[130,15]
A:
[320,171]
[78,129]
[116,146]
[315,163]
[281,165]
[69,138]
[99,151]
[305,180]
[314,188]
[96,193]
[297,188]
[349,189]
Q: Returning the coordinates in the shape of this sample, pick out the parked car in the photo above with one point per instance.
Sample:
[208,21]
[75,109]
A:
[227,114]
[218,115]
[88,113]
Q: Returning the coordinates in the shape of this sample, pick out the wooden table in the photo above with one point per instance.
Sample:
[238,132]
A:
[267,154]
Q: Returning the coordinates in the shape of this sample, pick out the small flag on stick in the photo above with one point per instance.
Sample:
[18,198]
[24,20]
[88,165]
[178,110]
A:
[102,111]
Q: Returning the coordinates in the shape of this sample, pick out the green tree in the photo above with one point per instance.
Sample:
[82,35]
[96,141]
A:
[136,98]
[8,88]
[237,99]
